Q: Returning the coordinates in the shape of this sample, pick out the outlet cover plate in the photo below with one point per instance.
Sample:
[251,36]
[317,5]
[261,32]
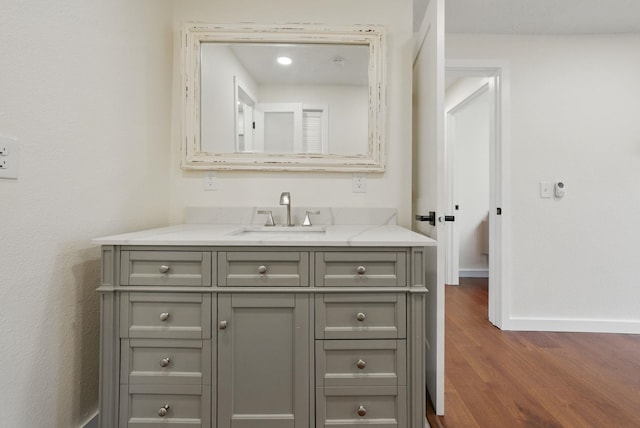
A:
[359,183]
[9,156]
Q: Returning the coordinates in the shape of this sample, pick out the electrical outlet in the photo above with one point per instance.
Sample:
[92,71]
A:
[209,182]
[359,183]
[8,158]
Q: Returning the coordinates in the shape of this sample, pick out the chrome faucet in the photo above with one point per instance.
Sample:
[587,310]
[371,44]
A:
[285,199]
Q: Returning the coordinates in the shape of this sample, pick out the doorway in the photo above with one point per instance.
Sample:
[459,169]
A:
[486,231]
[467,121]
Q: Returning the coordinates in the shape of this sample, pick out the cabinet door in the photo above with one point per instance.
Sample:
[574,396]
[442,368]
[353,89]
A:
[263,361]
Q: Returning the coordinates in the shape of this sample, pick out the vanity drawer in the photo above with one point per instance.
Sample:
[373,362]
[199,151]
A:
[382,407]
[358,316]
[175,268]
[186,406]
[166,362]
[165,315]
[360,363]
[263,268]
[361,269]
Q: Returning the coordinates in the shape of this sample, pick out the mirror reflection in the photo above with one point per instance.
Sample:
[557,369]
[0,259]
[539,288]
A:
[295,97]
[310,98]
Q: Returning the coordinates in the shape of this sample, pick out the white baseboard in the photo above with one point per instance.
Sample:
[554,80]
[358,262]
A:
[91,423]
[572,325]
[473,273]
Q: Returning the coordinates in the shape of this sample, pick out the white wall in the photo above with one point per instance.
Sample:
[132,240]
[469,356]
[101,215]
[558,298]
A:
[574,117]
[468,135]
[392,189]
[85,87]
[219,66]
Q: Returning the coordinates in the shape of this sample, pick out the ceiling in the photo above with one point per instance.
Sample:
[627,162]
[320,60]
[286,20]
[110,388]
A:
[537,16]
[313,64]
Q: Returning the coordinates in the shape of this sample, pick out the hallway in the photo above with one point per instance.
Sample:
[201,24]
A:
[533,379]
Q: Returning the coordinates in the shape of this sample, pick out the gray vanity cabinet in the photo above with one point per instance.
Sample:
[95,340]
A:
[259,337]
[263,360]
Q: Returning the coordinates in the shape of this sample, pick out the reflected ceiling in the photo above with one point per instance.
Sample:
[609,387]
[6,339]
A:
[312,64]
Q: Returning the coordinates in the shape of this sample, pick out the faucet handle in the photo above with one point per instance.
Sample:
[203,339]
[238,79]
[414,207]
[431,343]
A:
[270,221]
[307,220]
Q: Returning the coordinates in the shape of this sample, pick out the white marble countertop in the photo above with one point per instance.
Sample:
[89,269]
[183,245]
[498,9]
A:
[241,226]
[238,235]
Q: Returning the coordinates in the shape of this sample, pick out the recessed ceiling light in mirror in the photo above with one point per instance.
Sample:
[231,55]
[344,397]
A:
[284,60]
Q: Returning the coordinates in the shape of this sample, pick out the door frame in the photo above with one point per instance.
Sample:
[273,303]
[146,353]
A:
[499,180]
[452,243]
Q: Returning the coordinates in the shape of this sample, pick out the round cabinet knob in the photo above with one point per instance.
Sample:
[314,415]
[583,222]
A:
[360,316]
[165,362]
[262,269]
[362,411]
[163,411]
[222,325]
[361,270]
[164,316]
[361,364]
[164,269]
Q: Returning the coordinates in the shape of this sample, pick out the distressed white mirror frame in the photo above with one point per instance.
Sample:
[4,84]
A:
[193,158]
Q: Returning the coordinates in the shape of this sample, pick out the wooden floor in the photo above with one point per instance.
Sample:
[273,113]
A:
[495,378]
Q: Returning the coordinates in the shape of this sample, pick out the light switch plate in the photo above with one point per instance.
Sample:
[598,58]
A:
[546,189]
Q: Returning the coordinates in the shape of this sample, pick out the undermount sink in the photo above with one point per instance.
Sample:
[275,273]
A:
[277,230]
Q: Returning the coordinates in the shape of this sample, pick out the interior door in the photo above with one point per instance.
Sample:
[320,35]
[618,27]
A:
[282,127]
[428,183]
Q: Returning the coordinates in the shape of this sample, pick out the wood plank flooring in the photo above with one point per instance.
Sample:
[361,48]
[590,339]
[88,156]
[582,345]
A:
[496,378]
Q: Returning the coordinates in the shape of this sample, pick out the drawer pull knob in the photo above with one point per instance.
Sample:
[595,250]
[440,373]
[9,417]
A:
[164,316]
[163,411]
[361,270]
[262,269]
[360,316]
[164,269]
[362,411]
[222,325]
[165,362]
[361,364]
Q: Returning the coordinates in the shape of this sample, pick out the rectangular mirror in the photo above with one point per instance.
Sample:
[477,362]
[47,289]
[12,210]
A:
[293,97]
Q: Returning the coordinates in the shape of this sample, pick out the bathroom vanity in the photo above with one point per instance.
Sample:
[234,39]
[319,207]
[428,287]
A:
[222,322]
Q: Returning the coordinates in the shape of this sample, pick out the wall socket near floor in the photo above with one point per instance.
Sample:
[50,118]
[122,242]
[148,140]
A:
[8,157]
[359,183]
[210,181]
